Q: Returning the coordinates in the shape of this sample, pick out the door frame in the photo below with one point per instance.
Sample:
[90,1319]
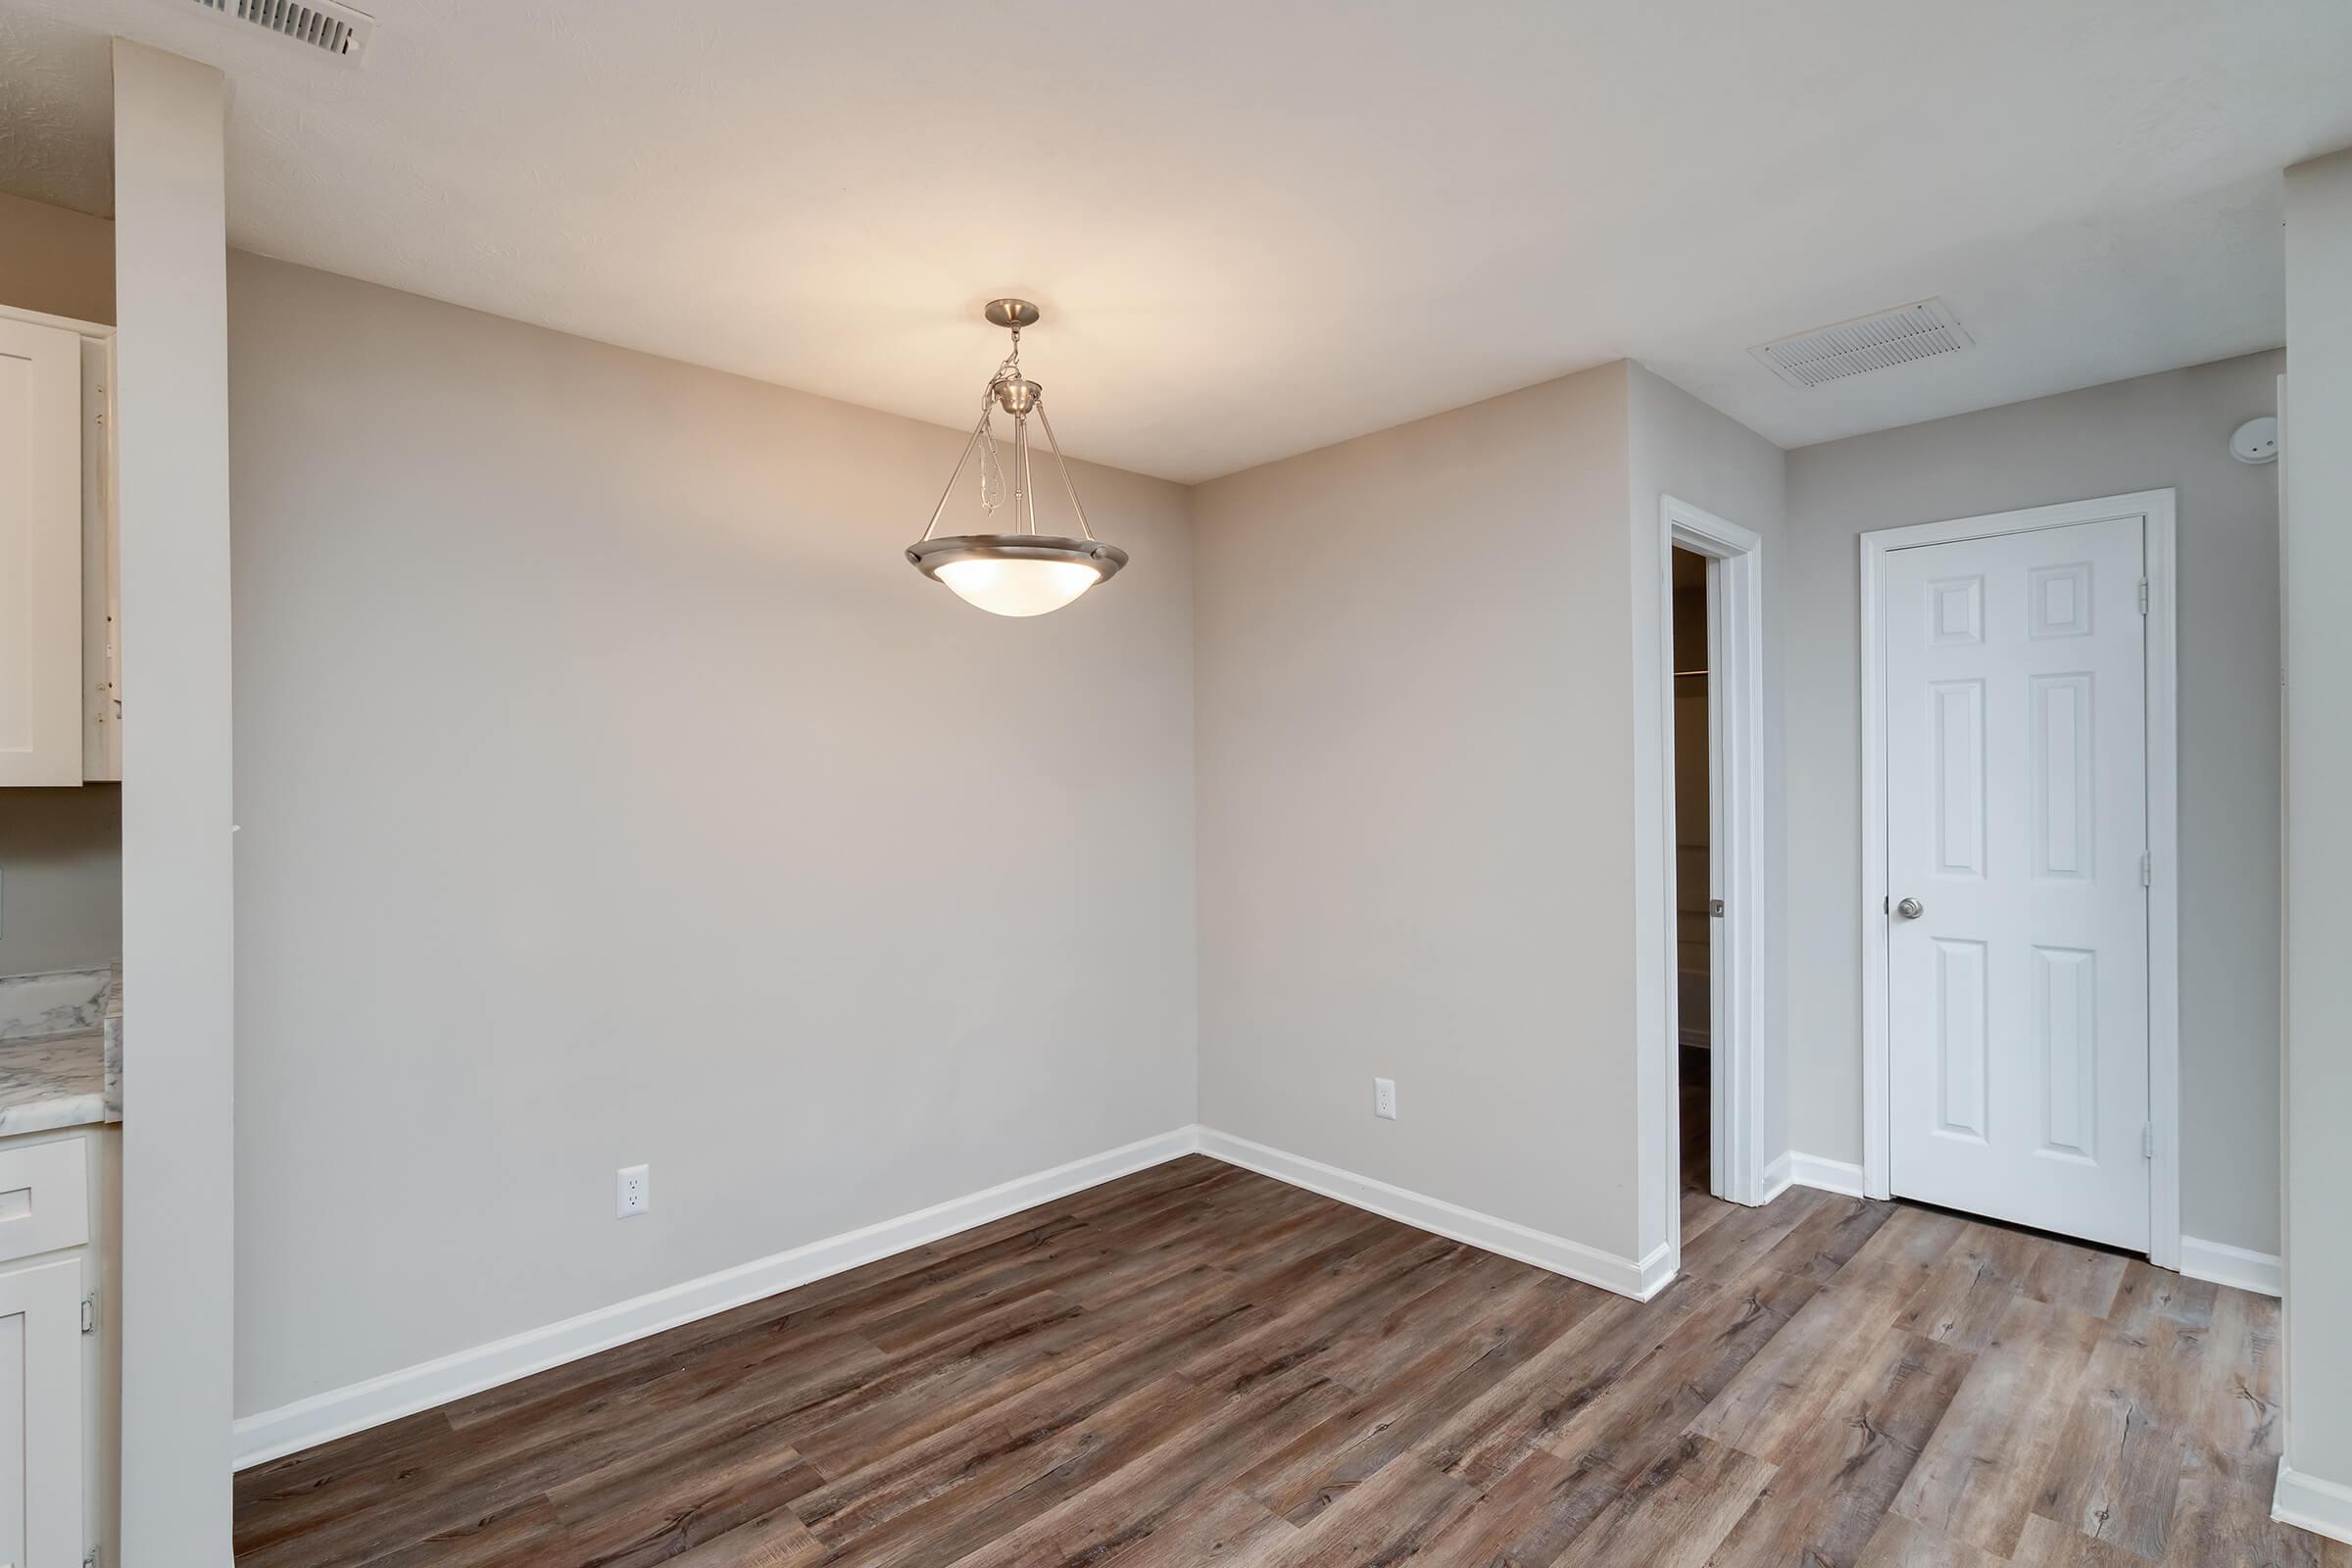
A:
[1736,854]
[2155,509]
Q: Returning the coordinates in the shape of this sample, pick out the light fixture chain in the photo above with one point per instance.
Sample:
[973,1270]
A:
[991,465]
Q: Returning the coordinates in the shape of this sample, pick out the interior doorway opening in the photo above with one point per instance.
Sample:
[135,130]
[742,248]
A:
[1694,904]
[1708,1141]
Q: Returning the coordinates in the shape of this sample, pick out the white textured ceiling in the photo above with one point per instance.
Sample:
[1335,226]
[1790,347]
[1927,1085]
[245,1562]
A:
[1257,227]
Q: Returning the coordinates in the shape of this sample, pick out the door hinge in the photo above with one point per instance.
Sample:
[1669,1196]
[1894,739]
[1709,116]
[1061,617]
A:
[2147,1140]
[2147,871]
[2143,596]
[90,1313]
[1715,908]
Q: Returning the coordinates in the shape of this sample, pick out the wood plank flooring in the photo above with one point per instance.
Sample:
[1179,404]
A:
[1198,1365]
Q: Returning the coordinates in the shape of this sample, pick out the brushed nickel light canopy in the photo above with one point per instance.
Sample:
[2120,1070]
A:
[1019,571]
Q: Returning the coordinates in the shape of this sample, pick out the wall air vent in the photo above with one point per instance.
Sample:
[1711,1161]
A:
[322,25]
[1868,343]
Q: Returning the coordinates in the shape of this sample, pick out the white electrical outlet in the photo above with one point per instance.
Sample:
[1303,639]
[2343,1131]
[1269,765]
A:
[1384,1099]
[636,1191]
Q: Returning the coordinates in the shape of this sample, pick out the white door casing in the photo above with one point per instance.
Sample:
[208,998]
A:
[1735,784]
[2016,824]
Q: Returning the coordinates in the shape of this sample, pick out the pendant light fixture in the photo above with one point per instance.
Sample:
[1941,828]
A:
[1019,571]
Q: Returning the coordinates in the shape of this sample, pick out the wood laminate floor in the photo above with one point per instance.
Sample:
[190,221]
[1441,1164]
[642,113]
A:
[1196,1365]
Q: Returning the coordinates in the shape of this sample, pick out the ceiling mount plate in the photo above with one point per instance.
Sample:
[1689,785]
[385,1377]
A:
[1016,314]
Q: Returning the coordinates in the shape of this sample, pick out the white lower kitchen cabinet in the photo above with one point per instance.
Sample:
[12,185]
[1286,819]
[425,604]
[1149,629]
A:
[42,1440]
[57,1385]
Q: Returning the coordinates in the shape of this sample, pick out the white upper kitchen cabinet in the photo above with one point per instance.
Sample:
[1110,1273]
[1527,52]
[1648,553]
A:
[59,713]
[40,554]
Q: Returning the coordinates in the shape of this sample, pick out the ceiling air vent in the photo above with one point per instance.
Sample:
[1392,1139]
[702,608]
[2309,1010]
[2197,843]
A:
[323,25]
[1868,343]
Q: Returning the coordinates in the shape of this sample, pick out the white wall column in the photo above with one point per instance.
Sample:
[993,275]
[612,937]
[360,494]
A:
[2315,1480]
[171,252]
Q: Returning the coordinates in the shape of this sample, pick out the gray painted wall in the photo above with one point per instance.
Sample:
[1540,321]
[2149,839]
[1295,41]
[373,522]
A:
[1412,653]
[56,260]
[61,879]
[2171,430]
[612,790]
[1421,742]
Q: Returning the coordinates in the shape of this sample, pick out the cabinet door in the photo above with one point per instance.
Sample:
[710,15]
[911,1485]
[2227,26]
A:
[40,554]
[41,1415]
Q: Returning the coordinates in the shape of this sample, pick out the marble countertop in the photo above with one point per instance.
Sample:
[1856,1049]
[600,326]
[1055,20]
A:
[59,1082]
[110,1027]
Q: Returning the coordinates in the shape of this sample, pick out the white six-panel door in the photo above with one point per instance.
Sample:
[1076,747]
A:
[2016,809]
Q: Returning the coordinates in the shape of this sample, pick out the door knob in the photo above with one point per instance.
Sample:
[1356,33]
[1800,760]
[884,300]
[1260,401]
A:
[1910,909]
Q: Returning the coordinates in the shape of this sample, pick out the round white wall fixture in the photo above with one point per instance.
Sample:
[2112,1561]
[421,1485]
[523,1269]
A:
[2256,441]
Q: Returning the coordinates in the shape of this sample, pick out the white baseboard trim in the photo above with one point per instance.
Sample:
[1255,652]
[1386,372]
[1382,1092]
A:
[1610,1271]
[2223,1264]
[2323,1507]
[1656,1272]
[338,1412]
[1829,1175]
[2200,1260]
